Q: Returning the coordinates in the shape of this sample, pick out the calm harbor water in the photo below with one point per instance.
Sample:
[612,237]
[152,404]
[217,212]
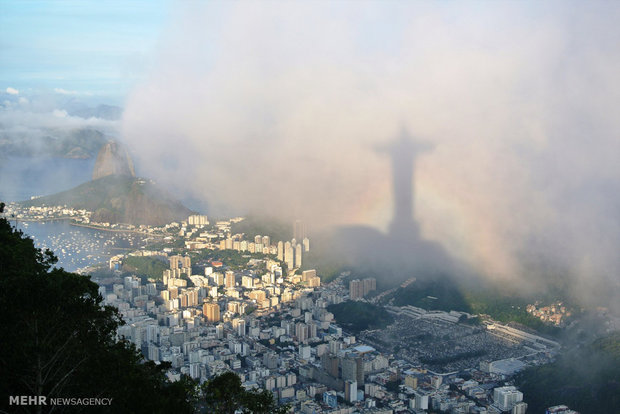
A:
[77,247]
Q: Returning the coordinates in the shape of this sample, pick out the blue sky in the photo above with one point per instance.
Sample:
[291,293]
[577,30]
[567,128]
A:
[94,48]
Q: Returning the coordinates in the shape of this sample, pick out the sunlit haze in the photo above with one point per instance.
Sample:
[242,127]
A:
[280,108]
[370,207]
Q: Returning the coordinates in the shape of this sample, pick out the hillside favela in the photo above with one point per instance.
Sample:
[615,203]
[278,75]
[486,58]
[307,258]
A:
[309,207]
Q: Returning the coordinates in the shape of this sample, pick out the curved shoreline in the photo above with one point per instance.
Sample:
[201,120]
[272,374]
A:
[89,226]
[29,220]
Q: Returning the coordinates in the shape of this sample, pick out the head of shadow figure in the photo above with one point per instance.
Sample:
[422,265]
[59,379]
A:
[401,253]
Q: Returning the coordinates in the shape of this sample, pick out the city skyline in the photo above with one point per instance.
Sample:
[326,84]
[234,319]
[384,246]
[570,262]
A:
[505,93]
[379,207]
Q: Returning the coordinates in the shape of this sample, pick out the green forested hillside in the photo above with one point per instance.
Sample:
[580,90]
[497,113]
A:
[587,379]
[120,199]
[358,316]
[149,266]
[58,340]
[265,226]
[447,295]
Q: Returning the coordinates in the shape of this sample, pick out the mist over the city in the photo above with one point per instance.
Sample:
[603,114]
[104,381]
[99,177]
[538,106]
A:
[374,207]
[282,108]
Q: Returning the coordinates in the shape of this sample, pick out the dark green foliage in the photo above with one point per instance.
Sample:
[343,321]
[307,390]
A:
[177,244]
[587,379]
[432,295]
[446,295]
[475,321]
[358,316]
[392,386]
[265,226]
[507,309]
[59,341]
[329,269]
[224,394]
[150,266]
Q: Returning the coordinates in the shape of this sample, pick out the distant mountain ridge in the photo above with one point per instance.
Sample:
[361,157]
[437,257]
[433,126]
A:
[120,199]
[107,112]
[77,143]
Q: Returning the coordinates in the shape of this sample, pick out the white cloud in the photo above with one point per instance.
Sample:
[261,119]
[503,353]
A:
[12,91]
[279,107]
[17,118]
[62,91]
[65,92]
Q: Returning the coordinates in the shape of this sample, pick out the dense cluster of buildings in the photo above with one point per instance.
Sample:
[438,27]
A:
[360,288]
[289,252]
[556,313]
[269,323]
[81,217]
[291,346]
[43,213]
[272,327]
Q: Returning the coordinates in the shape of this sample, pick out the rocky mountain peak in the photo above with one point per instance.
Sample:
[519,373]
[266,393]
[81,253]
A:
[113,159]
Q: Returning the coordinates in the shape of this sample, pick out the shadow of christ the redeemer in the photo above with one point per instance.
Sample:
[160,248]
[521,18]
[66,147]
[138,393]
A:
[401,253]
[402,153]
